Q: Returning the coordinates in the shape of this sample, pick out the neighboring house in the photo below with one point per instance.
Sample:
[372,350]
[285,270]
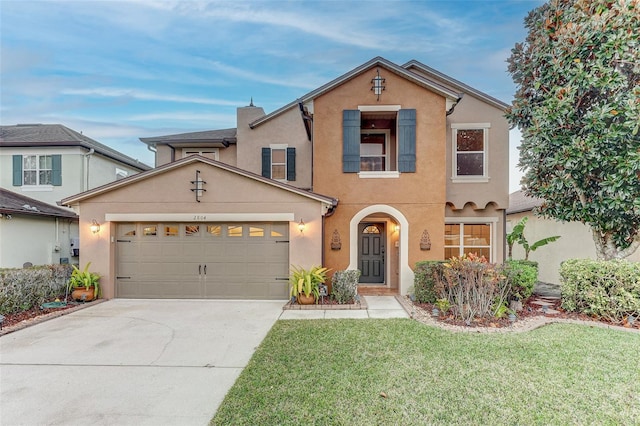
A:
[380,168]
[48,162]
[34,232]
[576,240]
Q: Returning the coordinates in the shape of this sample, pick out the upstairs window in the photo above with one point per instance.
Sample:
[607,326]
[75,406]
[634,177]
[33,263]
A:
[379,141]
[37,170]
[374,151]
[470,152]
[279,162]
[213,153]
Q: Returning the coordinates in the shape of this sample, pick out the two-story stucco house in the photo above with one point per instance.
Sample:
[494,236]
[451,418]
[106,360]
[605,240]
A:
[39,165]
[380,168]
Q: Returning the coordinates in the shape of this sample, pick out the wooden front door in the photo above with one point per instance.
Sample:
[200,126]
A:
[371,252]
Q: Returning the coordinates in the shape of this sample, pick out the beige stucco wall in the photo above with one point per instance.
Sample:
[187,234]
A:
[286,128]
[496,190]
[575,242]
[170,192]
[416,198]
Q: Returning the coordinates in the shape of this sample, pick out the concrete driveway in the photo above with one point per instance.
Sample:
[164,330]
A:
[130,362]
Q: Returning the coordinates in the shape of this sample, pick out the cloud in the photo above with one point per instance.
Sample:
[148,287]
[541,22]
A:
[115,92]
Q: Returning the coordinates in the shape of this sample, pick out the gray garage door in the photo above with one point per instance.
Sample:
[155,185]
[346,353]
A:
[202,260]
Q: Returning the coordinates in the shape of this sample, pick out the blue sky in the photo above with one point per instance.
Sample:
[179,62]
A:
[121,70]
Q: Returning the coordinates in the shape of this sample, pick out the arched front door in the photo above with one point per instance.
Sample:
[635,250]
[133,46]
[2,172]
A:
[371,252]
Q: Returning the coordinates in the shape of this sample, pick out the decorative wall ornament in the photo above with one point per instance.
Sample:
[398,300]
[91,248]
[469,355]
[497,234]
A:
[198,186]
[377,84]
[425,241]
[336,244]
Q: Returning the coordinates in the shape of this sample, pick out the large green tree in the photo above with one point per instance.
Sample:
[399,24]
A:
[578,107]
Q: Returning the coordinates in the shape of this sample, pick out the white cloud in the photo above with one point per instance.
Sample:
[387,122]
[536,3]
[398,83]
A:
[115,92]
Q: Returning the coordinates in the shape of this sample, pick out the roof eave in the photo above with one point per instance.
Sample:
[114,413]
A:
[458,84]
[378,61]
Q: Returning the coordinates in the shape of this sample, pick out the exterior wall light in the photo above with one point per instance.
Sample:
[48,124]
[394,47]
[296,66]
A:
[95,226]
[301,226]
[397,228]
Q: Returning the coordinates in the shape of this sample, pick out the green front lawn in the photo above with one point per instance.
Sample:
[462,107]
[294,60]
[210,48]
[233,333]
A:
[401,372]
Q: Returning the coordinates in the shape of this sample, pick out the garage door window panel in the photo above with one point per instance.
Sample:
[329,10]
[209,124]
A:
[214,230]
[192,230]
[234,231]
[150,230]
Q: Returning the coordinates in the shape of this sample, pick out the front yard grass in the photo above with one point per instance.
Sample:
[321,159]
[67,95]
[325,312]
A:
[401,372]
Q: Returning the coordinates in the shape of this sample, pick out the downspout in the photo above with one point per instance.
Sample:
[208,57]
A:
[87,157]
[329,213]
[504,235]
[152,148]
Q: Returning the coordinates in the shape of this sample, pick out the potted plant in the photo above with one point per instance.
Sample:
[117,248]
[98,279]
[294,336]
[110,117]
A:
[84,285]
[304,283]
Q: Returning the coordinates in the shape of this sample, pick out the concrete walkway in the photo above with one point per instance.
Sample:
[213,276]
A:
[377,307]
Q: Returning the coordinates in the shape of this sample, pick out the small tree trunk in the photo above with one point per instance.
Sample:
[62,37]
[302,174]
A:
[606,248]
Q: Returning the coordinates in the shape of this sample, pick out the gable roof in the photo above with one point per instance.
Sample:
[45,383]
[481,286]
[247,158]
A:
[455,84]
[14,203]
[57,135]
[223,136]
[375,62]
[519,202]
[188,160]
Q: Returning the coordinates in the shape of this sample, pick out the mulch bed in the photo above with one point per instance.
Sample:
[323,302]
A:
[531,310]
[16,321]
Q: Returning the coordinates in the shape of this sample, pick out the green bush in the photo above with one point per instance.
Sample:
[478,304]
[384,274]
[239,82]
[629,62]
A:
[608,289]
[523,276]
[23,289]
[473,287]
[425,278]
[344,286]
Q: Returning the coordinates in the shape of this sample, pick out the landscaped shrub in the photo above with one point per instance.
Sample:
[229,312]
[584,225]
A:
[523,276]
[425,279]
[23,289]
[608,289]
[473,287]
[344,285]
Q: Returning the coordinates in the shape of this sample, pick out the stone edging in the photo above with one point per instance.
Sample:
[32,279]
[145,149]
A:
[520,326]
[42,318]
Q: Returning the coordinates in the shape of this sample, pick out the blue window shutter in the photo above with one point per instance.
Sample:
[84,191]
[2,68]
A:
[351,141]
[56,170]
[407,140]
[266,162]
[17,170]
[291,163]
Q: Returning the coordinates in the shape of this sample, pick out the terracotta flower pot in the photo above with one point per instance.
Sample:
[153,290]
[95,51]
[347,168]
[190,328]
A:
[306,300]
[83,294]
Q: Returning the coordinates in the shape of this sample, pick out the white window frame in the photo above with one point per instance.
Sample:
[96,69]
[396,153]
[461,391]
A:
[283,147]
[37,185]
[491,221]
[214,151]
[485,153]
[387,137]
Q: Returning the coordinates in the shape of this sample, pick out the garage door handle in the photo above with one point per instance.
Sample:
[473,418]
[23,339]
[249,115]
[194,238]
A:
[281,279]
[205,269]
[282,241]
[199,269]
[123,278]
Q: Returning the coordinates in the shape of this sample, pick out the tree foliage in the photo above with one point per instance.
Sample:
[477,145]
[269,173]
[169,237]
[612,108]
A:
[578,107]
